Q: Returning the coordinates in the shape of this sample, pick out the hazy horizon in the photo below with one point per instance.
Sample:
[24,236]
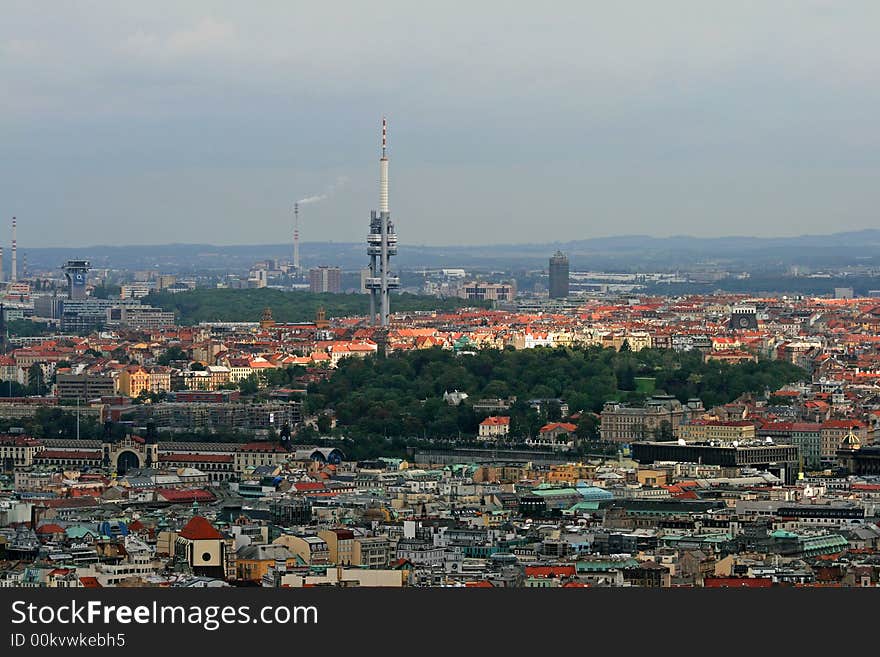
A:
[202,122]
[440,246]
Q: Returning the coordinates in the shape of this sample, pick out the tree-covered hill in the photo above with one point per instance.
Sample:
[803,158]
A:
[402,395]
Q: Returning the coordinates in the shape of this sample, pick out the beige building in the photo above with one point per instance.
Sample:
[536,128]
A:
[481,291]
[340,543]
[637,340]
[371,551]
[651,477]
[832,433]
[554,435]
[192,380]
[349,577]
[204,549]
[660,417]
[569,473]
[134,380]
[253,455]
[160,378]
[495,427]
[239,369]
[219,376]
[715,430]
[311,549]
[18,451]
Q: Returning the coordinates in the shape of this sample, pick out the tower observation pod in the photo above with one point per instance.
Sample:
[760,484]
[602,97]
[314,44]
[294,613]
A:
[381,245]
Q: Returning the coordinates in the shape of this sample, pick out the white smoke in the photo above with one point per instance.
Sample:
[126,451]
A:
[340,182]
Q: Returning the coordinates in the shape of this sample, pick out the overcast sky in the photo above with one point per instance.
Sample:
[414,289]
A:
[156,122]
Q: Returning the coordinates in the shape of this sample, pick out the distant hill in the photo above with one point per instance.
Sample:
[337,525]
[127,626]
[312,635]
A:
[629,252]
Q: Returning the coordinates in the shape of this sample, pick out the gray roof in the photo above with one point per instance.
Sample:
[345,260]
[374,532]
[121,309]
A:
[264,552]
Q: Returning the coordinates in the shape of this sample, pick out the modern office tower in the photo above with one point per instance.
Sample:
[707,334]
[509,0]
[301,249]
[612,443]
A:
[558,275]
[76,273]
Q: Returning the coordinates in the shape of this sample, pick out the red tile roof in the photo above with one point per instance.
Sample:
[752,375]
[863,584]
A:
[199,529]
[197,458]
[550,571]
[18,441]
[738,582]
[82,455]
[182,496]
[565,426]
[308,486]
[262,447]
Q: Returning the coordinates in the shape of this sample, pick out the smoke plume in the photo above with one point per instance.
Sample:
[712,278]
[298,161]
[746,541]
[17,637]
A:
[339,183]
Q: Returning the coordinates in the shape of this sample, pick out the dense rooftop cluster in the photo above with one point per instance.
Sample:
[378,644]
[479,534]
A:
[644,486]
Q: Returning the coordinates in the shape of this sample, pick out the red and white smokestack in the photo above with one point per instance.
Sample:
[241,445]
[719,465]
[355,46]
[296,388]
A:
[2,275]
[14,276]
[383,169]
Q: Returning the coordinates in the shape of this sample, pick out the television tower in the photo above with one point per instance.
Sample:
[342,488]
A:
[381,245]
[14,276]
[296,239]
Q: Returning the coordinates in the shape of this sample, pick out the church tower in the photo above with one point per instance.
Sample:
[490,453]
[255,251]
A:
[266,321]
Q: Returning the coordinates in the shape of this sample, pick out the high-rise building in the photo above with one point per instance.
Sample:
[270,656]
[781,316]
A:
[76,272]
[558,275]
[165,281]
[325,279]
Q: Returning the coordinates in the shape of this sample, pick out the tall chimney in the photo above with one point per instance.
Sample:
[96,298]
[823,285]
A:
[296,238]
[14,276]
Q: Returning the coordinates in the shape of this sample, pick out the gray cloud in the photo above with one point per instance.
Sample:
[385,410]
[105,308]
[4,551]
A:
[201,121]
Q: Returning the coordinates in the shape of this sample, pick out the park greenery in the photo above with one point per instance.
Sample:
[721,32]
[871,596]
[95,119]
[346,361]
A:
[56,422]
[401,396]
[247,305]
[26,328]
[384,404]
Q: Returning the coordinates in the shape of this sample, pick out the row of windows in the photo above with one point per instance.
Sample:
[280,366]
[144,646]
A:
[200,466]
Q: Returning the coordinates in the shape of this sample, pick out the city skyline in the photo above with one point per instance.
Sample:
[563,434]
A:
[205,120]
